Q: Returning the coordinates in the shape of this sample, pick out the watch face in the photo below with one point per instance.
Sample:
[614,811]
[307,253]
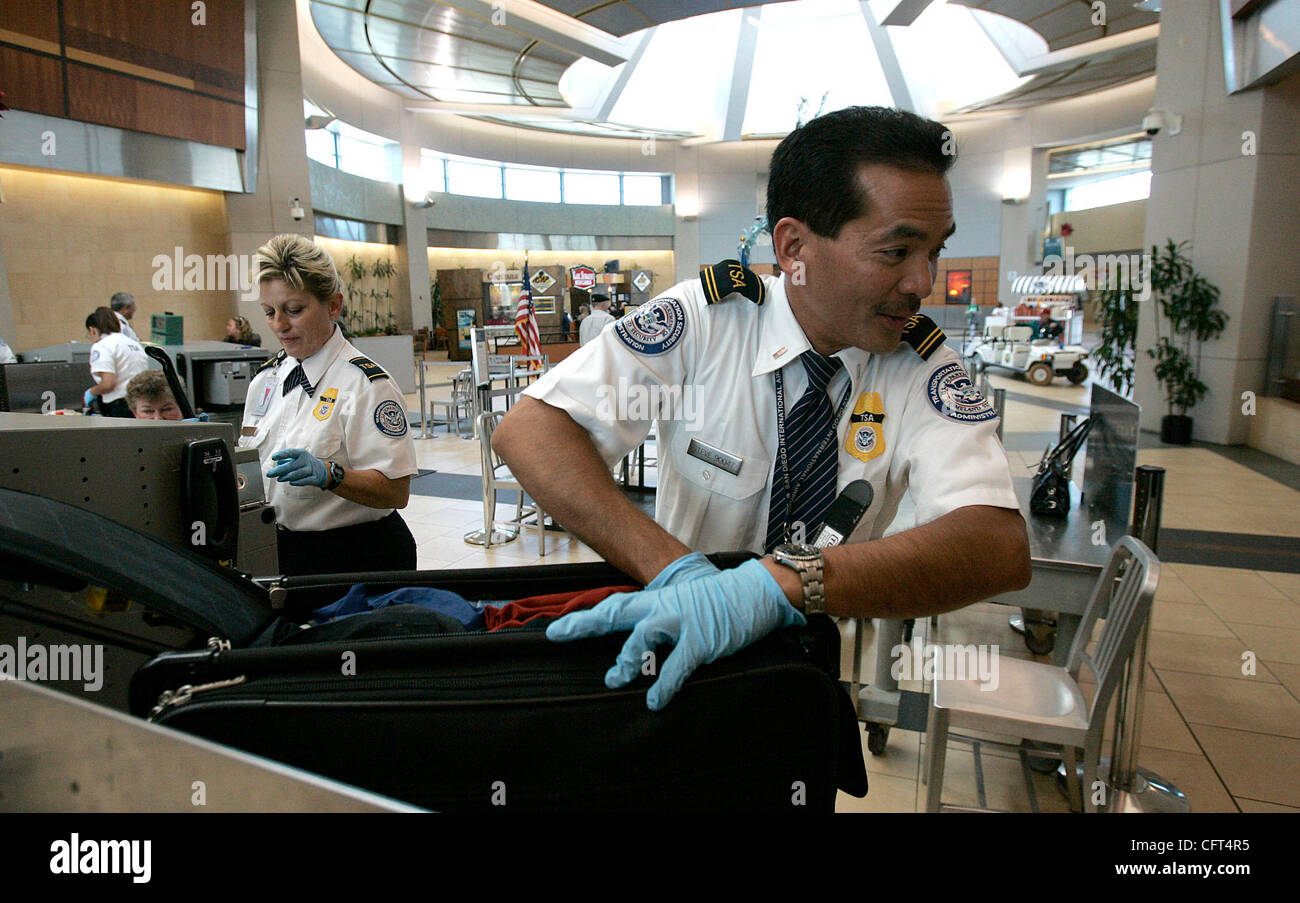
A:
[798,550]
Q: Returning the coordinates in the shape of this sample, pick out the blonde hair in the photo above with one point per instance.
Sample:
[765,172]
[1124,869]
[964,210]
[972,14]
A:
[301,263]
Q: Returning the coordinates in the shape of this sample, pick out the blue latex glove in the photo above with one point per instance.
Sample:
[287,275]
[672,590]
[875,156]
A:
[201,418]
[707,619]
[684,569]
[88,398]
[298,467]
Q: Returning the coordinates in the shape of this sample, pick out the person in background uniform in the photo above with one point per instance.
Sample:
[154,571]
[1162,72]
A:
[114,361]
[596,321]
[329,424]
[7,355]
[790,388]
[240,332]
[150,398]
[123,305]
[566,324]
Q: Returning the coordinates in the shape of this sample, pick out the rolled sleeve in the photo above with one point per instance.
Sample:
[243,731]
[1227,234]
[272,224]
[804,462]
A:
[605,386]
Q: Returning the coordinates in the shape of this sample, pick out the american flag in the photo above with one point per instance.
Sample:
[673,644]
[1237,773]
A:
[526,322]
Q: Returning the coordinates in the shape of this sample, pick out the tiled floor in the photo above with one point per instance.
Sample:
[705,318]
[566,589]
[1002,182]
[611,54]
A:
[1222,706]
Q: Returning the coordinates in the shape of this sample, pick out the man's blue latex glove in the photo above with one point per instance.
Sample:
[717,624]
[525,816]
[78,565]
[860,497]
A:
[688,567]
[707,619]
[88,398]
[298,467]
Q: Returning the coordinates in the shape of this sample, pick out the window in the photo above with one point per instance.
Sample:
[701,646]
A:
[591,188]
[481,180]
[322,146]
[532,185]
[365,154]
[433,168]
[1132,187]
[643,190]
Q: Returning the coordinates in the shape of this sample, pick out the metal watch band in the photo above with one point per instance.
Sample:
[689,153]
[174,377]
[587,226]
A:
[807,561]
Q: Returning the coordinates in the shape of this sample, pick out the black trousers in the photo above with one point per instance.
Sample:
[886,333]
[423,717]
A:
[382,545]
[117,408]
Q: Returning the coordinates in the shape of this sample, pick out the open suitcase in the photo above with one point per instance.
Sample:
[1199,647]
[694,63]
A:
[504,721]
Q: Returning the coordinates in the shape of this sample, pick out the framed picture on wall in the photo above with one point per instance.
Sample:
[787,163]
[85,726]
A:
[544,305]
[958,287]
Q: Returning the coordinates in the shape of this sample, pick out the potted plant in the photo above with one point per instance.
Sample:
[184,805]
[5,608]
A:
[1117,311]
[1187,303]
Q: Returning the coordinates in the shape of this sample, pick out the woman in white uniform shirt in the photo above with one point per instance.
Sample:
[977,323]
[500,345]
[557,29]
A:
[329,424]
[114,360]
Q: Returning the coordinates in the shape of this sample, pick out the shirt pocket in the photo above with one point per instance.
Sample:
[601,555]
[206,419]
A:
[752,478]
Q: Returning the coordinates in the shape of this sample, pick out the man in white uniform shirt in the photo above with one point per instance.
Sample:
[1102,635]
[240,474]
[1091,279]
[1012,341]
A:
[595,322]
[859,208]
[123,305]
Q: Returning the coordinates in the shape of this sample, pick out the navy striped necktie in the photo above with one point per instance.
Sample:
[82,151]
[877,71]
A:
[297,377]
[810,425]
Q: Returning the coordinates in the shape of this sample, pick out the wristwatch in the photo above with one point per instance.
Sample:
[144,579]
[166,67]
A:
[335,470]
[807,561]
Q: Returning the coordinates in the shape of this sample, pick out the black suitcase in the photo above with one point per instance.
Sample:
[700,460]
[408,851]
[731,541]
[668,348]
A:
[457,722]
[480,721]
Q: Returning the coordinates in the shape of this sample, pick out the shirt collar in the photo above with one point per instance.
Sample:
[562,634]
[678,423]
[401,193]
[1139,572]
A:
[315,366]
[781,339]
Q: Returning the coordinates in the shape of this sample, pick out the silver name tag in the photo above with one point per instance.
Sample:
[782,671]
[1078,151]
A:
[715,456]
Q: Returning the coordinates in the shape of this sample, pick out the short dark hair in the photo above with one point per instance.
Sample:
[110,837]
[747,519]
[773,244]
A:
[599,299]
[814,172]
[104,321]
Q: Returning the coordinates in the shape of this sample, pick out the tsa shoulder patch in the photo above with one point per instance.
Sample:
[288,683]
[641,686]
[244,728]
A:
[653,328]
[372,370]
[390,418]
[953,395]
[272,361]
[731,277]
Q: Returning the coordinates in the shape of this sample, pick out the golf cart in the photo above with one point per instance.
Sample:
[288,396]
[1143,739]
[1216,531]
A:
[1040,360]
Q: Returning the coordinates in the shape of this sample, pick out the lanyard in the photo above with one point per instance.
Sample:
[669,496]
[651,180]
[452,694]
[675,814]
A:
[783,464]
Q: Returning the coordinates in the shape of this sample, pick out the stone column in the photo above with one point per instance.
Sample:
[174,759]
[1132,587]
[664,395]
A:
[1226,183]
[282,172]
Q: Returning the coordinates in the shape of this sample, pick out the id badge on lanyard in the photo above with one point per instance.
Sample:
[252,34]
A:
[262,403]
[783,465]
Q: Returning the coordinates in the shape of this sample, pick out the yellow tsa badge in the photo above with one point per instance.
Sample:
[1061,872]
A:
[866,436]
[325,406]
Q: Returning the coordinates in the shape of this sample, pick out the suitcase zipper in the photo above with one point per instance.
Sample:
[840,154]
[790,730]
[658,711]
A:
[172,698]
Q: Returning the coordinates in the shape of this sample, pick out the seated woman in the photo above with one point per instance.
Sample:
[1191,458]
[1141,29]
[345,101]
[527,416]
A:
[114,361]
[240,332]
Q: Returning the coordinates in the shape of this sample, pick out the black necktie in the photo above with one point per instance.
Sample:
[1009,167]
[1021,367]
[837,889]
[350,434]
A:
[297,377]
[808,427]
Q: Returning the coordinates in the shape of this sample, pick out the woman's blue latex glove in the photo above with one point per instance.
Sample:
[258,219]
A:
[298,467]
[88,397]
[706,619]
[688,567]
[199,418]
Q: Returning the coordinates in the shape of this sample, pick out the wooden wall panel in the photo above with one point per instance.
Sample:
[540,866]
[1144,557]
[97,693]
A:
[33,18]
[143,106]
[141,65]
[31,82]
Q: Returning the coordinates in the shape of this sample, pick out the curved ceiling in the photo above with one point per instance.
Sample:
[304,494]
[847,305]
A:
[634,67]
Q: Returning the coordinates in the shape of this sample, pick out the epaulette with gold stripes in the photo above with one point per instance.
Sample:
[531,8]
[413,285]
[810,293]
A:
[272,361]
[923,334]
[731,277]
[372,370]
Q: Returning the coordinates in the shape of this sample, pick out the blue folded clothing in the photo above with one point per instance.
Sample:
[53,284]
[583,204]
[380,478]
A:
[356,602]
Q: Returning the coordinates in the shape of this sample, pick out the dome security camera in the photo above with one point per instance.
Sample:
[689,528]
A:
[1156,121]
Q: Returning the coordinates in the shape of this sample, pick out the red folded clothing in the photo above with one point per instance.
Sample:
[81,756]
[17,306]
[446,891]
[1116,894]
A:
[521,611]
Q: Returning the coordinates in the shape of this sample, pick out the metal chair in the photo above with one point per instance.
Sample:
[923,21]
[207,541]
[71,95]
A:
[497,477]
[1045,703]
[461,399]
